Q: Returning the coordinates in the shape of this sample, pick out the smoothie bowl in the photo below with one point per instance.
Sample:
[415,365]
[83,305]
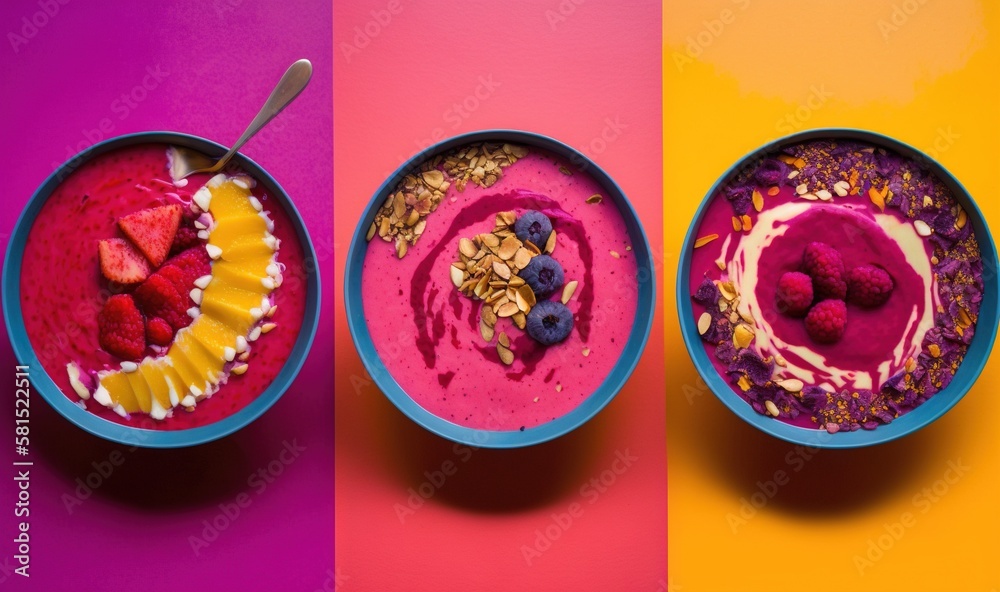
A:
[499,289]
[838,288]
[155,311]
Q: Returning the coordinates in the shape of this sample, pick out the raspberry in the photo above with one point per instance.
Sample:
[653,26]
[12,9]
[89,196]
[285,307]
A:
[193,262]
[868,286]
[120,328]
[158,298]
[827,321]
[185,238]
[159,332]
[825,266]
[795,294]
[176,277]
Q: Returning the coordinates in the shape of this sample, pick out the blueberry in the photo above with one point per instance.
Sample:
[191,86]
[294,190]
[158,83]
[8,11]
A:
[549,322]
[544,275]
[533,226]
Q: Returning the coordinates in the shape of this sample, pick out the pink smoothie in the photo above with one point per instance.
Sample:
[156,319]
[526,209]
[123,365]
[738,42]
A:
[426,332]
[893,215]
[62,289]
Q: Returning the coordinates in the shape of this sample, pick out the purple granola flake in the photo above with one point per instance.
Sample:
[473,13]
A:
[707,293]
[741,197]
[771,172]
[751,365]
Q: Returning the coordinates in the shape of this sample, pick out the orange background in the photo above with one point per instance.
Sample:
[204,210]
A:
[879,519]
[559,68]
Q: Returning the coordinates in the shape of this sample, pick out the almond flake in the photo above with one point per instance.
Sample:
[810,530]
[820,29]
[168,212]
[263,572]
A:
[595,199]
[746,223]
[503,339]
[877,199]
[509,247]
[771,408]
[737,224]
[614,254]
[701,242]
[521,258]
[527,295]
[550,243]
[506,356]
[841,188]
[728,290]
[962,219]
[824,195]
[922,228]
[520,319]
[585,352]
[467,247]
[758,200]
[485,330]
[568,290]
[792,385]
[500,268]
[704,323]
[457,276]
[371,231]
[507,309]
[809,197]
[803,188]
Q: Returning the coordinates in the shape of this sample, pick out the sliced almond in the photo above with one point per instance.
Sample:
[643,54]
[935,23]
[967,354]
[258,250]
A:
[809,197]
[771,408]
[737,224]
[758,200]
[503,339]
[585,352]
[507,309]
[728,290]
[491,240]
[467,247]
[433,178]
[401,247]
[803,188]
[520,319]
[486,331]
[371,231]
[774,191]
[615,254]
[841,188]
[526,295]
[876,198]
[595,199]
[516,282]
[521,258]
[550,243]
[704,323]
[962,219]
[922,228]
[509,247]
[568,290]
[500,268]
[824,195]
[506,356]
[746,223]
[457,276]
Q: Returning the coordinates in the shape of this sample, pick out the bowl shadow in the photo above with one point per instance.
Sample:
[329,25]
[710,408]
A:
[147,479]
[494,481]
[802,480]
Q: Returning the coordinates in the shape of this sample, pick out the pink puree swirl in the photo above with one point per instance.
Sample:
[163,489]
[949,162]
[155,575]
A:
[62,289]
[426,332]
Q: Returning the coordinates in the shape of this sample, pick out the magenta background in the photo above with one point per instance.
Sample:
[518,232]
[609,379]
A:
[223,57]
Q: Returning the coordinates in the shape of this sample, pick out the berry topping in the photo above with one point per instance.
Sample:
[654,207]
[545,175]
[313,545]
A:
[533,226]
[825,266]
[159,332]
[795,294]
[120,328]
[194,263]
[152,230]
[827,321]
[544,275]
[177,277]
[185,238]
[158,298]
[549,322]
[868,286]
[121,262]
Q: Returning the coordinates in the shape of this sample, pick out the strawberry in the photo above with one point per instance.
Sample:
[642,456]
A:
[158,298]
[120,328]
[152,230]
[121,262]
[158,331]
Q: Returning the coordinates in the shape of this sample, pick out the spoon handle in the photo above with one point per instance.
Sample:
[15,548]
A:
[289,87]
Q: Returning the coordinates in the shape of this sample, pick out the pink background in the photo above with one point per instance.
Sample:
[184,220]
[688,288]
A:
[408,74]
[221,60]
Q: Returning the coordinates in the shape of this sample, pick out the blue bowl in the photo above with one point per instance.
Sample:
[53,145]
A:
[924,414]
[589,407]
[136,436]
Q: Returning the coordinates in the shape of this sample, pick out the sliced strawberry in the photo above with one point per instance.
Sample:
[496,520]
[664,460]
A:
[158,298]
[152,230]
[120,328]
[159,332]
[121,262]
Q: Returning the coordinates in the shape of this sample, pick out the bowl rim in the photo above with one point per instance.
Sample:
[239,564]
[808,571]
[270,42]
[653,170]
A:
[904,425]
[605,392]
[131,435]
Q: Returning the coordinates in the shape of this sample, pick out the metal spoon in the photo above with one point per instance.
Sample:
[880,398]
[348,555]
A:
[186,162]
